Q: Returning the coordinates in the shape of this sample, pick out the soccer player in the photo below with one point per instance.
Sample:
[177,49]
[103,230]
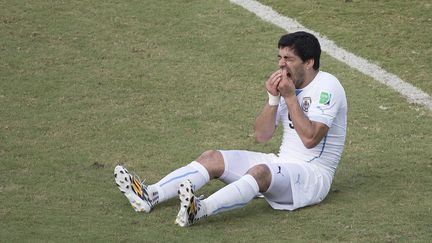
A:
[312,108]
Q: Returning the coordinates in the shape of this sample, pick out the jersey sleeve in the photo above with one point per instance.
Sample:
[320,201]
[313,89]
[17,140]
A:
[325,104]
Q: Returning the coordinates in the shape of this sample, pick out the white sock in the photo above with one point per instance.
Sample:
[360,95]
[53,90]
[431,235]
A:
[168,186]
[234,195]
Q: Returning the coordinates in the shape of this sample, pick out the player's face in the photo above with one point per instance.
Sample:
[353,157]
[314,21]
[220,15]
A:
[293,64]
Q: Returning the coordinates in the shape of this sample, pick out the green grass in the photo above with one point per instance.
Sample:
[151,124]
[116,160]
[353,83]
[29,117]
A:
[153,84]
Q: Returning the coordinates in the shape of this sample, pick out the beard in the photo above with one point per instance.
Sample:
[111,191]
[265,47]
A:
[298,80]
[298,83]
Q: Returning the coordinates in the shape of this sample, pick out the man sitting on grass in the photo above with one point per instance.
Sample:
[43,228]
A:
[312,107]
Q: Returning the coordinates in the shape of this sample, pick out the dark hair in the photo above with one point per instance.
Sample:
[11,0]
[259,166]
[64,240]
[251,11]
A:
[305,45]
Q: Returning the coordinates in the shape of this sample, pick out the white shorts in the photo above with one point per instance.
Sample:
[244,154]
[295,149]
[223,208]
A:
[293,185]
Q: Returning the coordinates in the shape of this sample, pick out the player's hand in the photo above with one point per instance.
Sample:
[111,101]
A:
[273,82]
[286,85]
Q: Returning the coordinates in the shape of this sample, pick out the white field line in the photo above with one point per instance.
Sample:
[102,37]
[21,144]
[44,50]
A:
[413,94]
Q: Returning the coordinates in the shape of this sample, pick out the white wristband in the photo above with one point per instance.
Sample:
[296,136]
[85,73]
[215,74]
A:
[273,100]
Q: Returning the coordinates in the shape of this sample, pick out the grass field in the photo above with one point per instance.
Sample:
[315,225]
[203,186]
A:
[152,84]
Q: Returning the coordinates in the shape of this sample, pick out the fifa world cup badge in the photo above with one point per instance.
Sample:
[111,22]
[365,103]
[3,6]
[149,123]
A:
[325,98]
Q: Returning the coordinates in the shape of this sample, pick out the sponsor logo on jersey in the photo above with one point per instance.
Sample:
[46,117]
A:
[325,98]
[306,103]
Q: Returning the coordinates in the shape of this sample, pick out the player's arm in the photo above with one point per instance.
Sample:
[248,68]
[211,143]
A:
[310,132]
[265,122]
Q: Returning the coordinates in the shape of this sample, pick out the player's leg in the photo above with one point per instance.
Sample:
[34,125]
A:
[238,193]
[232,196]
[251,176]
[207,166]
[143,198]
[279,190]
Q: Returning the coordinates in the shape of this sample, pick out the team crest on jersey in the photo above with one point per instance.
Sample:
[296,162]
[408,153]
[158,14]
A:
[306,103]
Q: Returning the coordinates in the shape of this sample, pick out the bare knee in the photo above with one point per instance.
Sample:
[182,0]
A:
[262,175]
[213,161]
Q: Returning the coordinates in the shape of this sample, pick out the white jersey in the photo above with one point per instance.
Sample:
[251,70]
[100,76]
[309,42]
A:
[310,171]
[324,101]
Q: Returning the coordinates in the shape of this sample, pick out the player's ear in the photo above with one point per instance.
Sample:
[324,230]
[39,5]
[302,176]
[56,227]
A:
[309,63]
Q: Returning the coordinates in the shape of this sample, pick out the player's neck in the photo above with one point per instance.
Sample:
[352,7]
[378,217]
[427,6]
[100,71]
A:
[309,77]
